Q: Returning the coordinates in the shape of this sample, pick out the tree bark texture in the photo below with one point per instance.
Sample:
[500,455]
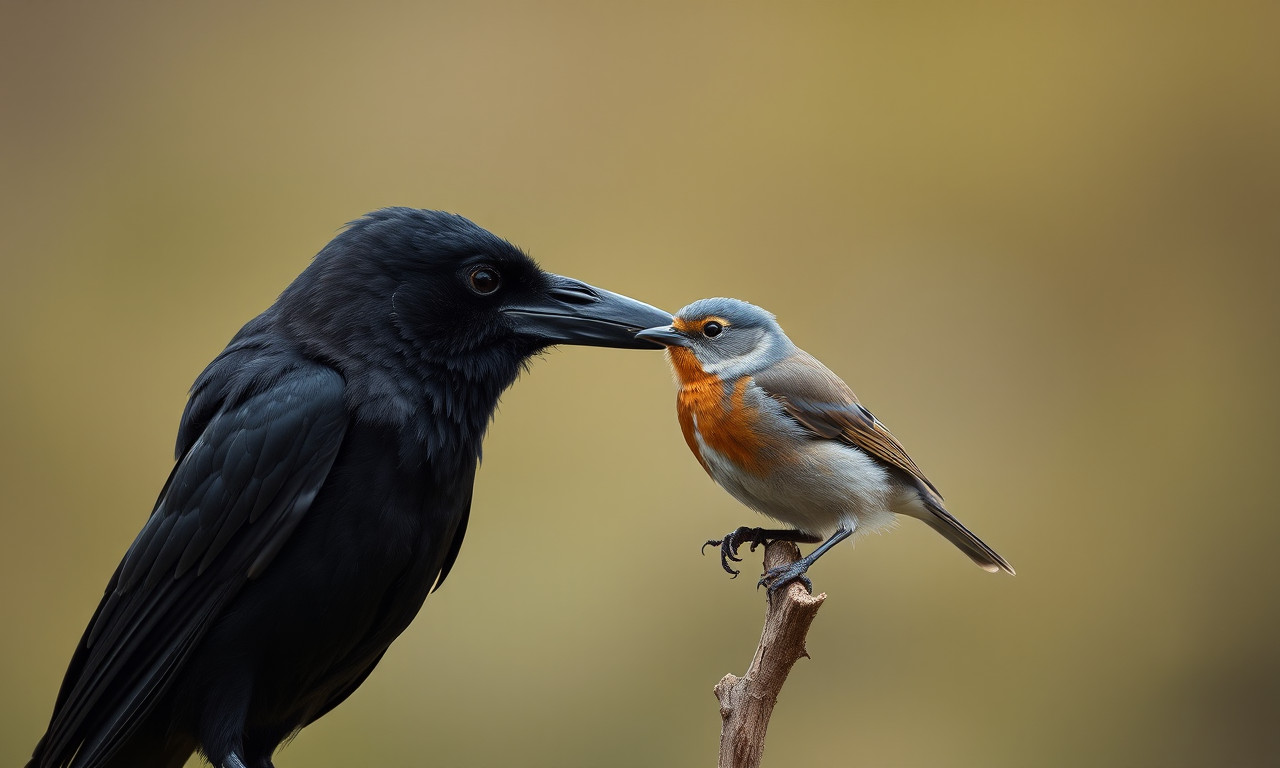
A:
[747,702]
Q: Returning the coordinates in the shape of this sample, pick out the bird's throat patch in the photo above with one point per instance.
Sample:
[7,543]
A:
[688,369]
[712,414]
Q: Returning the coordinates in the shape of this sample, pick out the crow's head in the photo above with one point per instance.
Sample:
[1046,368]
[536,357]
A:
[451,289]
[404,291]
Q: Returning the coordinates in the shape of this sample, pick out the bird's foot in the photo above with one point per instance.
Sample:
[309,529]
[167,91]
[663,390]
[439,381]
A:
[776,578]
[734,540]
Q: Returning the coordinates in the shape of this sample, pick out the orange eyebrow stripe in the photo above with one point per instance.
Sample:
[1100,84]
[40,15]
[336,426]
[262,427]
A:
[693,325]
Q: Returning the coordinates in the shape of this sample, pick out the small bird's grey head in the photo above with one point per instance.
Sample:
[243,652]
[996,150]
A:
[728,337]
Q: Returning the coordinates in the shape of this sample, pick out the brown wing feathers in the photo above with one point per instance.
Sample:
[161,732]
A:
[817,399]
[822,403]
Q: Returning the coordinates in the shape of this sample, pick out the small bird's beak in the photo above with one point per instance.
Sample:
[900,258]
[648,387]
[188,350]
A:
[664,335]
[572,312]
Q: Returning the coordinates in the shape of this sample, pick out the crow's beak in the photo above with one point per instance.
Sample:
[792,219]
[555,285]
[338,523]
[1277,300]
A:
[572,312]
[664,335]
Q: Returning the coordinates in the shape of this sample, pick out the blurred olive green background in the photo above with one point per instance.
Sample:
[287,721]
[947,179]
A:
[1042,244]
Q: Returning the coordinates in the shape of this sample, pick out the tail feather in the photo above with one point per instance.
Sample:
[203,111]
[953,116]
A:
[954,531]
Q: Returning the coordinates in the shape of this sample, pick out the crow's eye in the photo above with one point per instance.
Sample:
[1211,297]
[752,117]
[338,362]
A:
[485,280]
[711,329]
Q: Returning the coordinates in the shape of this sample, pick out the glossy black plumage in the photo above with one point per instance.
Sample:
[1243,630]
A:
[322,489]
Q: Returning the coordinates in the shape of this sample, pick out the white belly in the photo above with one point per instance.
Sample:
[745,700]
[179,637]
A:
[833,486]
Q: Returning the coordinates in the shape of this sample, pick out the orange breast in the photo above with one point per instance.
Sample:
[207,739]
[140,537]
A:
[721,418]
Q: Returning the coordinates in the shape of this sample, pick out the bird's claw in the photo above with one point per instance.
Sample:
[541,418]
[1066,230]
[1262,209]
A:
[776,578]
[726,554]
[732,542]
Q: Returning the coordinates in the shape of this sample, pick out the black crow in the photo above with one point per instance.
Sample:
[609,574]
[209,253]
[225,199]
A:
[323,481]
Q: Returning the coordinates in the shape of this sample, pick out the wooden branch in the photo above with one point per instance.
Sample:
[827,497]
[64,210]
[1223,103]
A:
[747,702]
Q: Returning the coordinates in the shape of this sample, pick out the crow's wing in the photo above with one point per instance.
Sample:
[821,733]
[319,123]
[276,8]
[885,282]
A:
[229,505]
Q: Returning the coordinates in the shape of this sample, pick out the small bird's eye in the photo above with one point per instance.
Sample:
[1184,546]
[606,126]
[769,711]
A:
[712,329]
[485,280]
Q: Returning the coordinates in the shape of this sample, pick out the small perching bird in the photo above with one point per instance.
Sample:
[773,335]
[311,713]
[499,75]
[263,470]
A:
[785,436]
